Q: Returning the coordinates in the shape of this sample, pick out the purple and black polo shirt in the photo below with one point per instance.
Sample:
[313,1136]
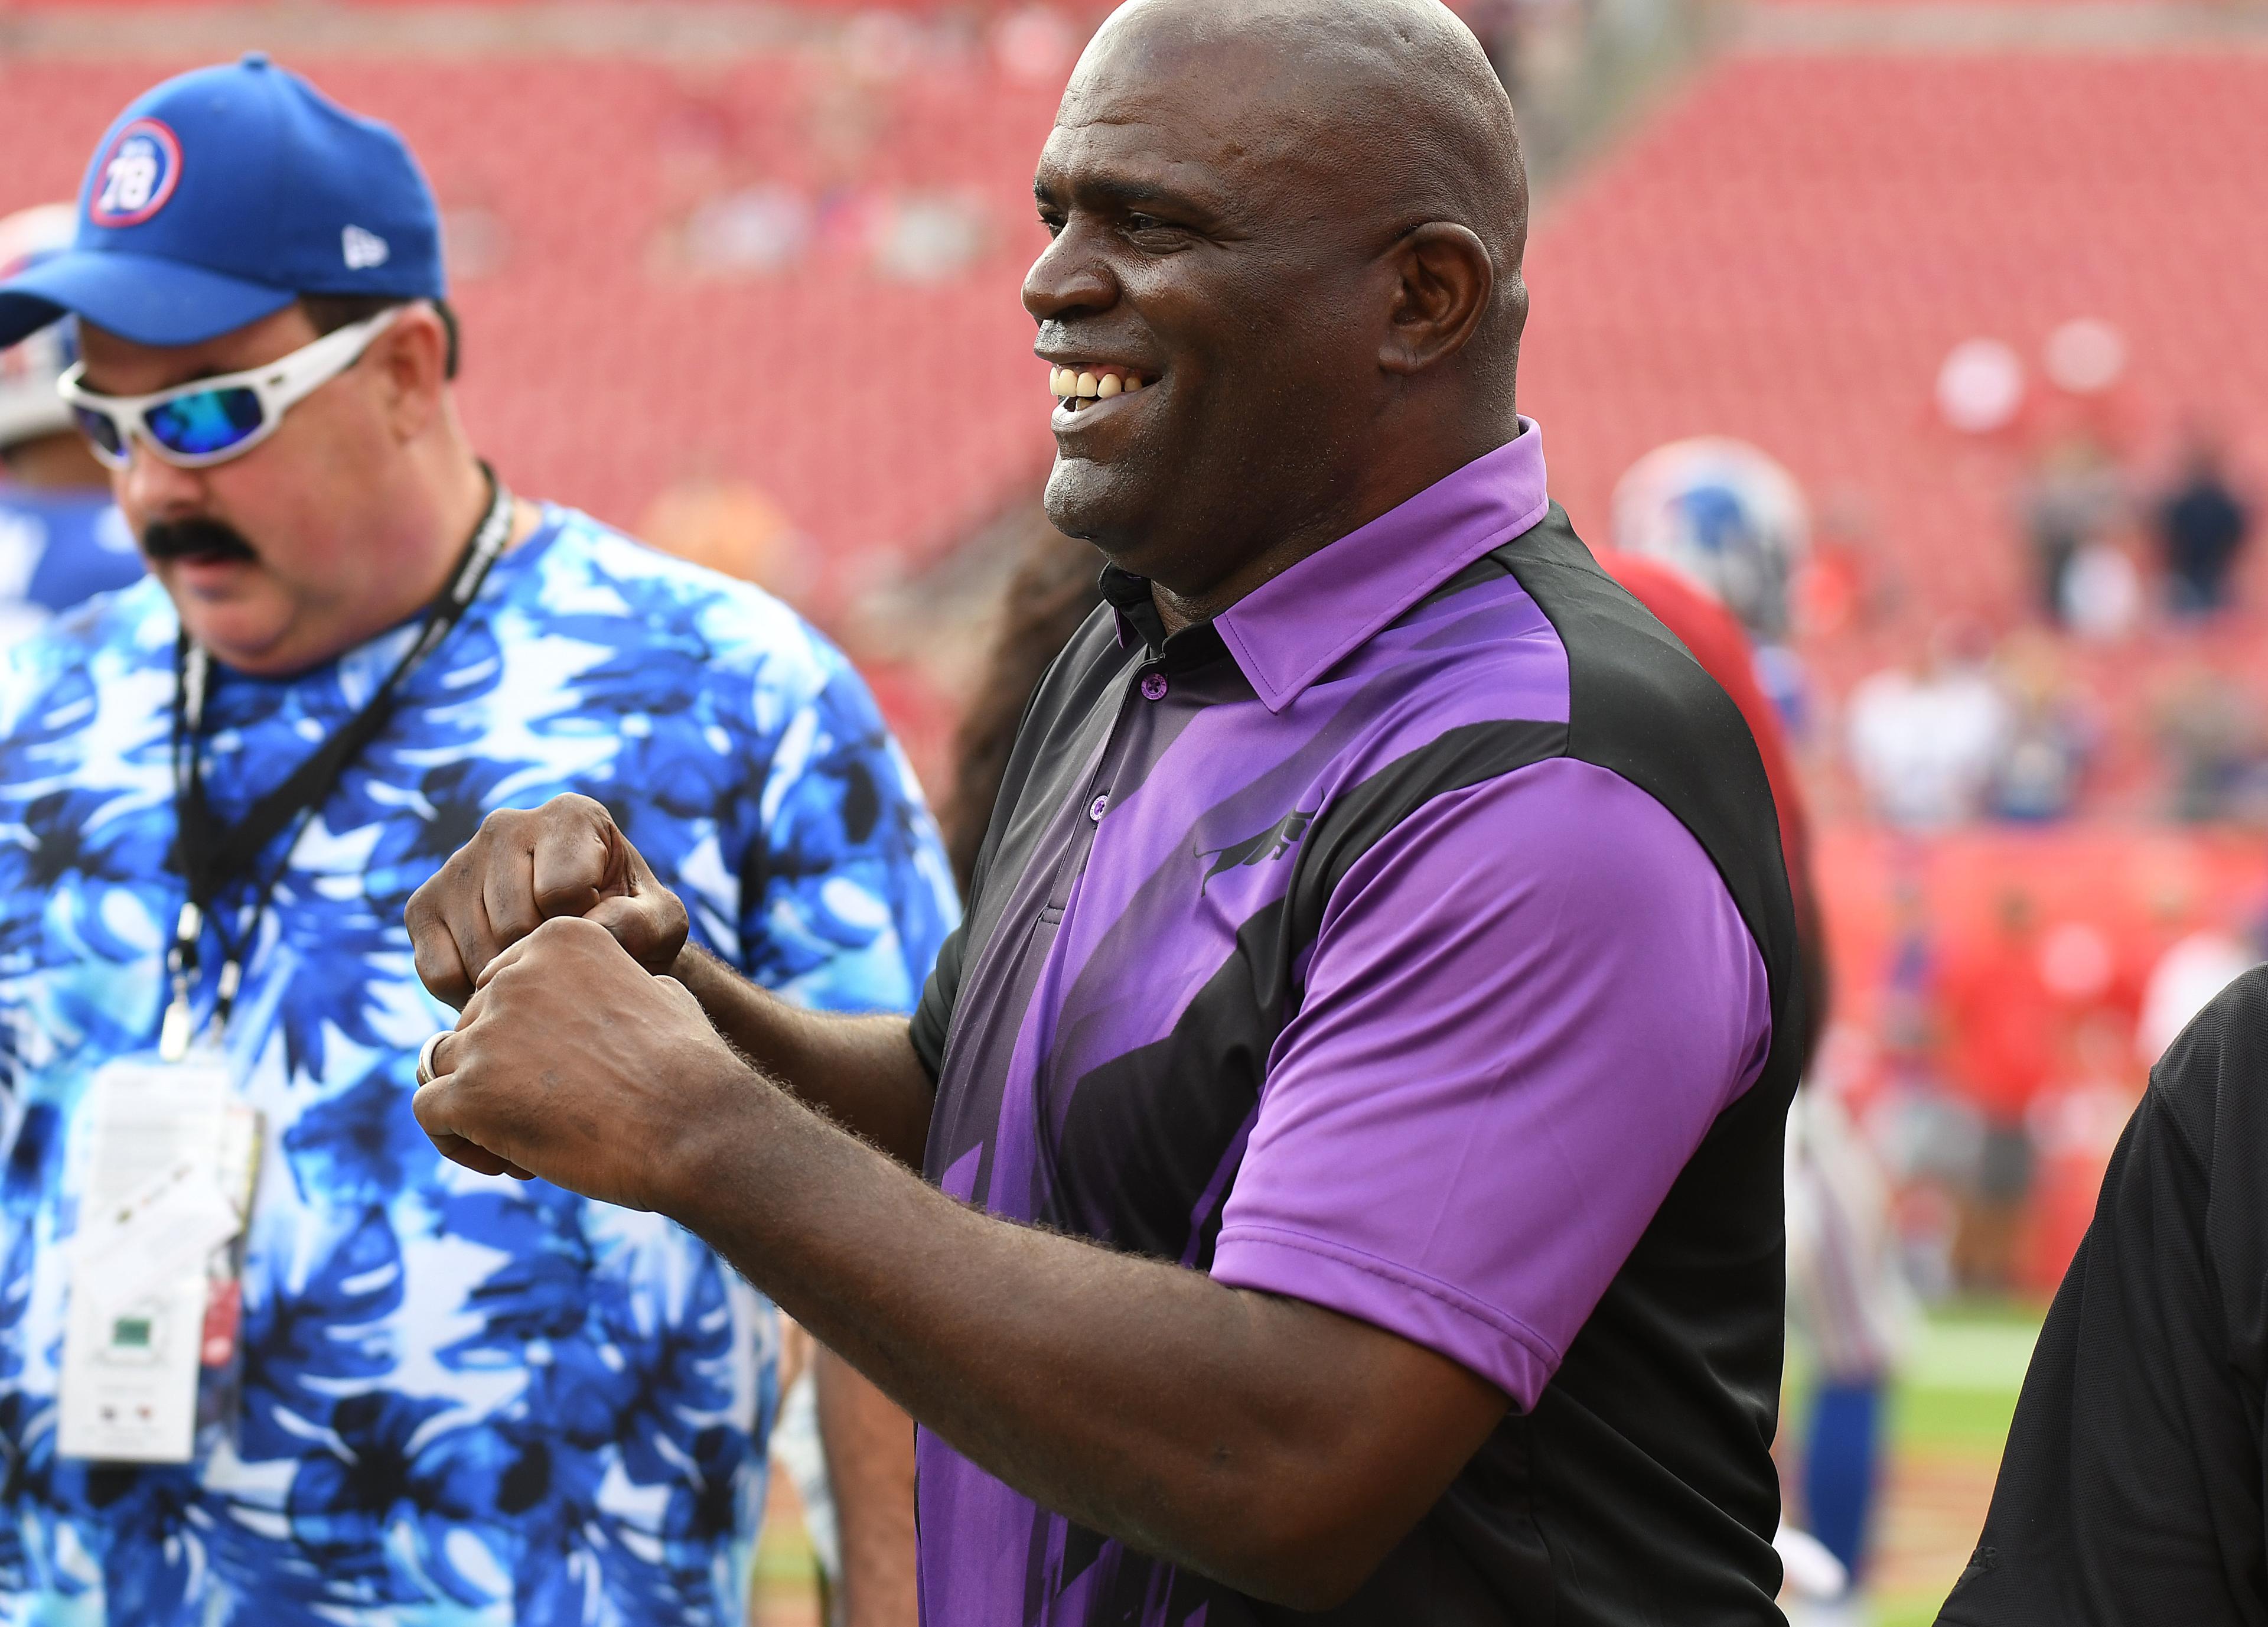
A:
[1413,939]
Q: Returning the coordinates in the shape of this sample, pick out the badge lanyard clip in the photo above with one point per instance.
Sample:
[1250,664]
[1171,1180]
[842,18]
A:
[181,966]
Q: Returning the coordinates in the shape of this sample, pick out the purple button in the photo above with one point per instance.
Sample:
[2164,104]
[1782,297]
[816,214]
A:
[1154,686]
[1094,810]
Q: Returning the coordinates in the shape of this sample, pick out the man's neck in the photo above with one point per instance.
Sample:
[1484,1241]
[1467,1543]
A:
[1393,482]
[456,509]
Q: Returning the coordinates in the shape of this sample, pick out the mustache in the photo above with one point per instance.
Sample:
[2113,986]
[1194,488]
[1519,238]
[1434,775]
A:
[196,538]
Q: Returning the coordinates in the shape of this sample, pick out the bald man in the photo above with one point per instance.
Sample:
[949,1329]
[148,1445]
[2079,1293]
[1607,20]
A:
[1353,1111]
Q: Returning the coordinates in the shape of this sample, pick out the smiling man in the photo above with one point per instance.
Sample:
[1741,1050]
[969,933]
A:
[397,1395]
[1352,1109]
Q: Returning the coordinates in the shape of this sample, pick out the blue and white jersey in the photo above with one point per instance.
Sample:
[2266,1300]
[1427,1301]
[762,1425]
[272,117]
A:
[465,1399]
[58,549]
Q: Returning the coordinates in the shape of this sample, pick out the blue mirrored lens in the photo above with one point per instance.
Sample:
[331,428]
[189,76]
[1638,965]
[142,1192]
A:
[204,421]
[100,428]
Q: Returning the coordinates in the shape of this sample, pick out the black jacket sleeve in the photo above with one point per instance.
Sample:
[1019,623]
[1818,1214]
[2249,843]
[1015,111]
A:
[2130,1490]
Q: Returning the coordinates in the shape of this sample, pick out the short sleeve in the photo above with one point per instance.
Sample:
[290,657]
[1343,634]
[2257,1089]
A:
[1526,1005]
[846,895]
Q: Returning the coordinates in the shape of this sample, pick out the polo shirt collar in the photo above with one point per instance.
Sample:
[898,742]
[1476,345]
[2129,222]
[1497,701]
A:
[1290,631]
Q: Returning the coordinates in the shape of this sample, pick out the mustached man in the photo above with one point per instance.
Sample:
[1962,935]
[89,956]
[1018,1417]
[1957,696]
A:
[265,1356]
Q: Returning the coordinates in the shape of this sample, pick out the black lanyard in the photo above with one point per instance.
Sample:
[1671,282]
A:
[211,857]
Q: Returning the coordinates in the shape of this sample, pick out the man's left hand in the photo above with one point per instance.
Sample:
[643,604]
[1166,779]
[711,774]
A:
[572,1062]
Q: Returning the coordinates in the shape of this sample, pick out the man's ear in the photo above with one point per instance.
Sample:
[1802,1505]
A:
[413,356]
[1444,280]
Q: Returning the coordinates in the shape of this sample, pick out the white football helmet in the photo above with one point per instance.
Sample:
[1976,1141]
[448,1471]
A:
[1726,515]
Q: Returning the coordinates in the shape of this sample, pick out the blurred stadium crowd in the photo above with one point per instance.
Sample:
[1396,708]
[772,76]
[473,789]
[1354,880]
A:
[1953,384]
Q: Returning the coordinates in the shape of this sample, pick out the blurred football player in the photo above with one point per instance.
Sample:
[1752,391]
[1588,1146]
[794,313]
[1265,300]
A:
[1734,521]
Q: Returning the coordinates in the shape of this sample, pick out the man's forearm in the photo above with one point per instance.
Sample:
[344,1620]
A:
[860,1071]
[1140,1399]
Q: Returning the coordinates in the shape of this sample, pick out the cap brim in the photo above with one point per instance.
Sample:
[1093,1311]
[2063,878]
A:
[137,297]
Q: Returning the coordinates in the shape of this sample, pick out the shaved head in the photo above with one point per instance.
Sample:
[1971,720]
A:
[1401,87]
[1294,228]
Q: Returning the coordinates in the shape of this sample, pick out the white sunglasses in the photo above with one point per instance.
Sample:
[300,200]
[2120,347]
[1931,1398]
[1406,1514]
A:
[210,421]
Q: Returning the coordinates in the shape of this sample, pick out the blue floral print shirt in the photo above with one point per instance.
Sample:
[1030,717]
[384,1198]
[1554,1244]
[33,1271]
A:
[465,1400]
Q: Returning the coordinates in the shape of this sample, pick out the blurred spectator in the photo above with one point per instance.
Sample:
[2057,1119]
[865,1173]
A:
[1926,1138]
[2210,734]
[1849,1302]
[2001,1031]
[2050,734]
[1927,739]
[2102,592]
[62,539]
[928,237]
[2073,500]
[752,231]
[2074,1125]
[2183,982]
[1907,1023]
[2202,527]
[1851,583]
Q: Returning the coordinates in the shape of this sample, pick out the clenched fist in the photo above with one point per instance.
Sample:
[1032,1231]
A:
[564,860]
[573,1063]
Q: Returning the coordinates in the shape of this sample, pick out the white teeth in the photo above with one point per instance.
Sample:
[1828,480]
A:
[1072,385]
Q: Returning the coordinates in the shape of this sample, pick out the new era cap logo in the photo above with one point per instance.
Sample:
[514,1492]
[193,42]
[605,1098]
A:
[363,249]
[135,175]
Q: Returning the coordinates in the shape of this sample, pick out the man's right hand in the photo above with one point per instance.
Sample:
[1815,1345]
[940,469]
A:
[525,868]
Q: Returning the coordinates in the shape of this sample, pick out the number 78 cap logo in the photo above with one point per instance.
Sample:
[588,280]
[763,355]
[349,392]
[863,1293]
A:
[136,175]
[220,197]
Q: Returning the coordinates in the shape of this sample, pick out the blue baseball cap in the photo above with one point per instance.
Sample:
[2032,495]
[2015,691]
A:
[222,195]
